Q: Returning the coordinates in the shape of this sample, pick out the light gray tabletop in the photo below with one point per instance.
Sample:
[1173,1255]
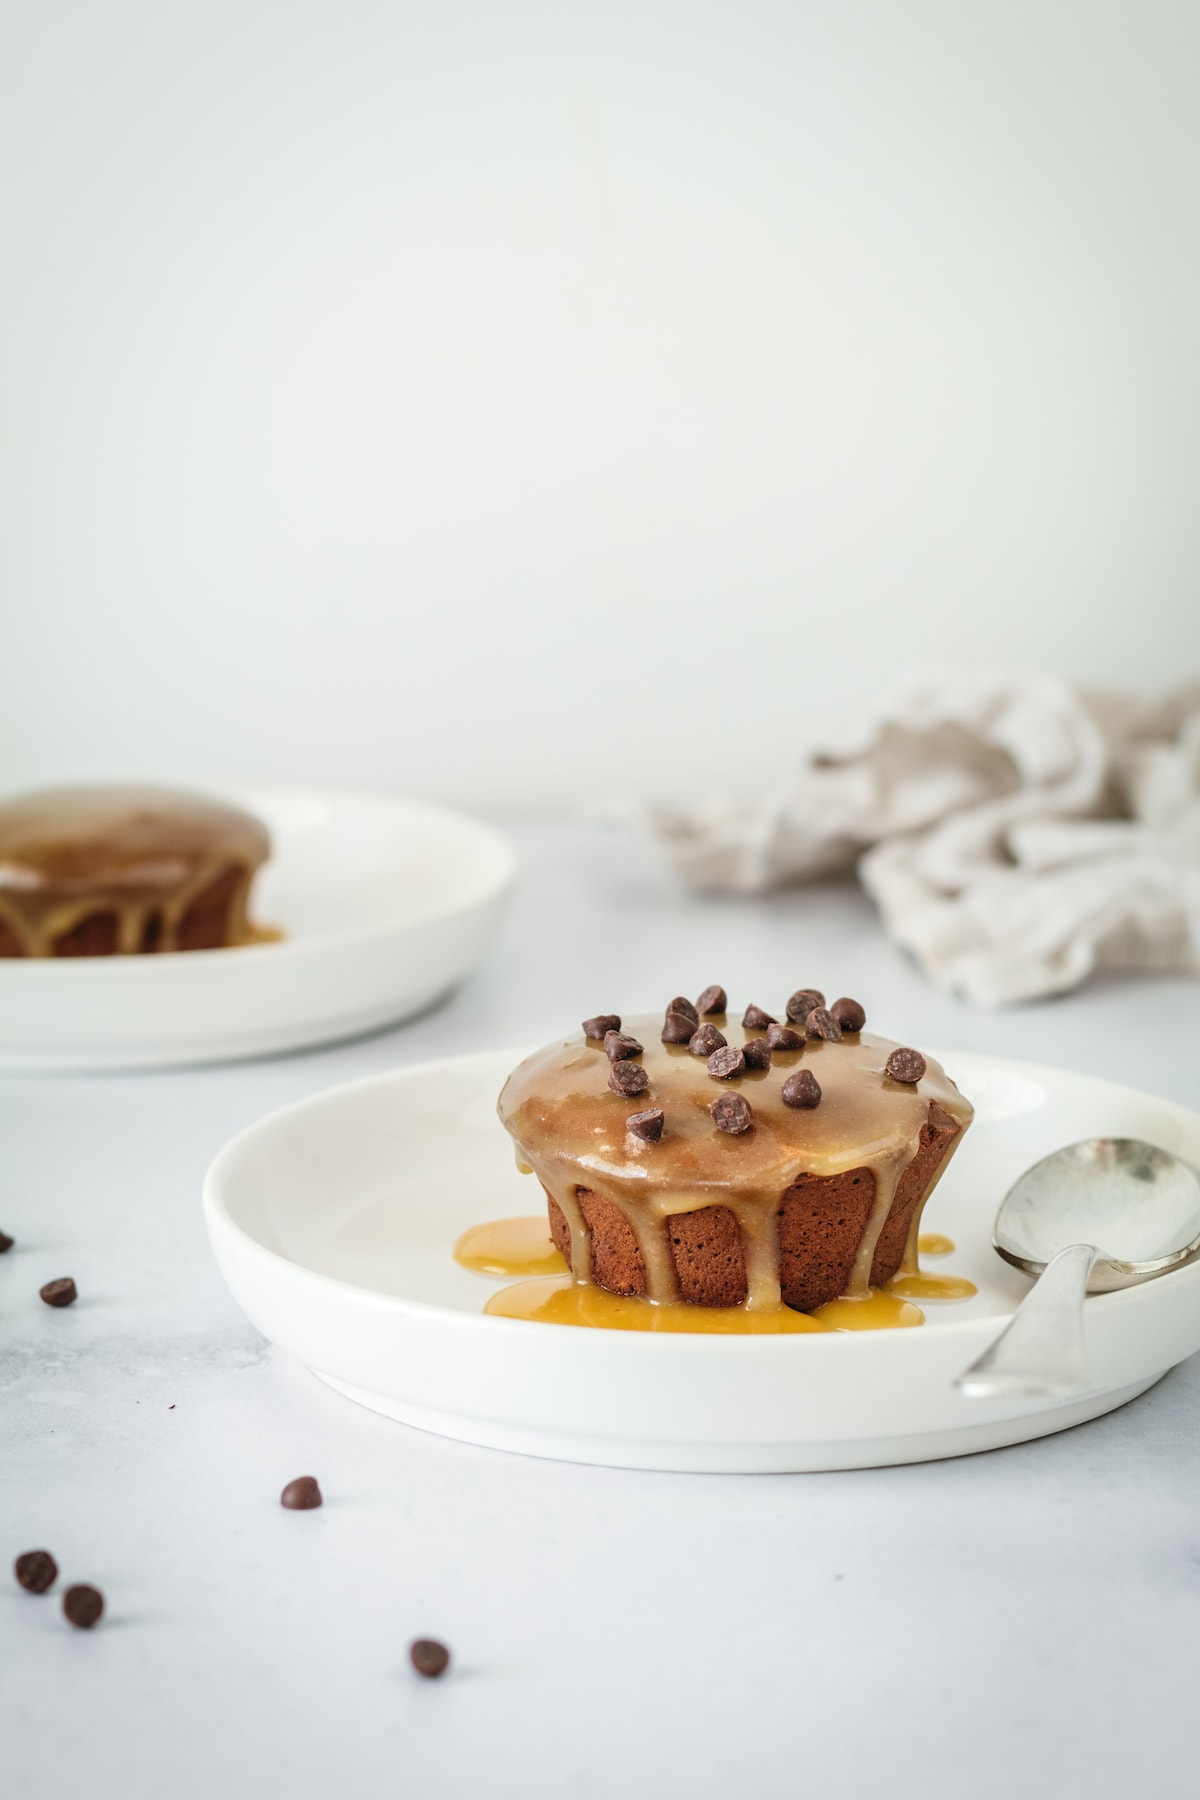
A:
[1026,1621]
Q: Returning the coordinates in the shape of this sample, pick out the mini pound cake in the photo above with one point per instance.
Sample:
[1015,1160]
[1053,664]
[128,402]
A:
[109,871]
[720,1163]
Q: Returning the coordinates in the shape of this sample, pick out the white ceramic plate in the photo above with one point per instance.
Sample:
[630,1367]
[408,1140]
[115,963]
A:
[333,1223]
[385,904]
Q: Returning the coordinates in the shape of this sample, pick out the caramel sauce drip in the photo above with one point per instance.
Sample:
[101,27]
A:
[569,1129]
[139,856]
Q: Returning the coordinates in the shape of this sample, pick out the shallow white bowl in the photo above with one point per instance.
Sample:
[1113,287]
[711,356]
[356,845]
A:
[385,905]
[333,1222]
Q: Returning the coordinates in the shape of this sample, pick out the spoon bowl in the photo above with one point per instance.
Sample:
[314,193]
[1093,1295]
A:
[1136,1204]
[1095,1216]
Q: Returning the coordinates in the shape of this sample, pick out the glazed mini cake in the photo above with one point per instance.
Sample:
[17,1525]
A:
[108,871]
[694,1158]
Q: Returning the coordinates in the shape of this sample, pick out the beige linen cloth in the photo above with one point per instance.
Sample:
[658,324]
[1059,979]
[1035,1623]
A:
[1016,835]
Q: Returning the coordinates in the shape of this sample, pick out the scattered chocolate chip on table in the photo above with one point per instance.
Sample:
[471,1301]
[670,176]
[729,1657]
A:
[36,1570]
[302,1494]
[428,1657]
[59,1293]
[83,1605]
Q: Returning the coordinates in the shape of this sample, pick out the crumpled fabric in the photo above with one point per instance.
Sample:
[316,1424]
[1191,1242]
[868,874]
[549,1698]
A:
[1017,835]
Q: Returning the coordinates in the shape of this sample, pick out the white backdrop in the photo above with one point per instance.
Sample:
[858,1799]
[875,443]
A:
[521,401]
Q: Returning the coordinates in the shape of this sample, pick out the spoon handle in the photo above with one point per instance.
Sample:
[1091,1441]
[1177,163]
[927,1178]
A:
[1040,1351]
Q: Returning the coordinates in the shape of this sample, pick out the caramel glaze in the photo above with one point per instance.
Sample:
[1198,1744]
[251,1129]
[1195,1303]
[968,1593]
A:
[569,1128]
[120,870]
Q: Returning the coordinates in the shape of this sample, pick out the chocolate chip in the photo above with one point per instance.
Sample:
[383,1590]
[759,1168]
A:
[428,1657]
[628,1078]
[782,1037]
[680,1005]
[705,1039]
[603,1022]
[677,1028]
[757,1052]
[802,1089]
[59,1293]
[6,1243]
[755,1019]
[646,1125]
[618,1047]
[712,1000]
[83,1605]
[849,1014]
[36,1570]
[821,1023]
[802,1003]
[906,1065]
[726,1062]
[731,1112]
[302,1494]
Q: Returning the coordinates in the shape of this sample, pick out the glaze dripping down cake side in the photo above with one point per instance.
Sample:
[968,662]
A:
[791,1166]
[111,871]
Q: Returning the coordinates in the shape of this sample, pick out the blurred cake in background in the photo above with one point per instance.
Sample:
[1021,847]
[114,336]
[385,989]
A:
[125,871]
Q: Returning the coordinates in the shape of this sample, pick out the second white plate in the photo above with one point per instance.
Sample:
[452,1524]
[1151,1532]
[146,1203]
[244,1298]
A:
[334,1223]
[384,904]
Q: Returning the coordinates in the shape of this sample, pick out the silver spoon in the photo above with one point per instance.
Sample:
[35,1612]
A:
[1096,1216]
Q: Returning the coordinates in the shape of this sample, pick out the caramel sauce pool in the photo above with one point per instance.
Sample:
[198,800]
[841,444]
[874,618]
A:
[558,1300]
[522,1248]
[510,1247]
[932,1287]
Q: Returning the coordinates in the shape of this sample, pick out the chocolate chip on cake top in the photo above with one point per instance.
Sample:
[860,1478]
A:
[705,1039]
